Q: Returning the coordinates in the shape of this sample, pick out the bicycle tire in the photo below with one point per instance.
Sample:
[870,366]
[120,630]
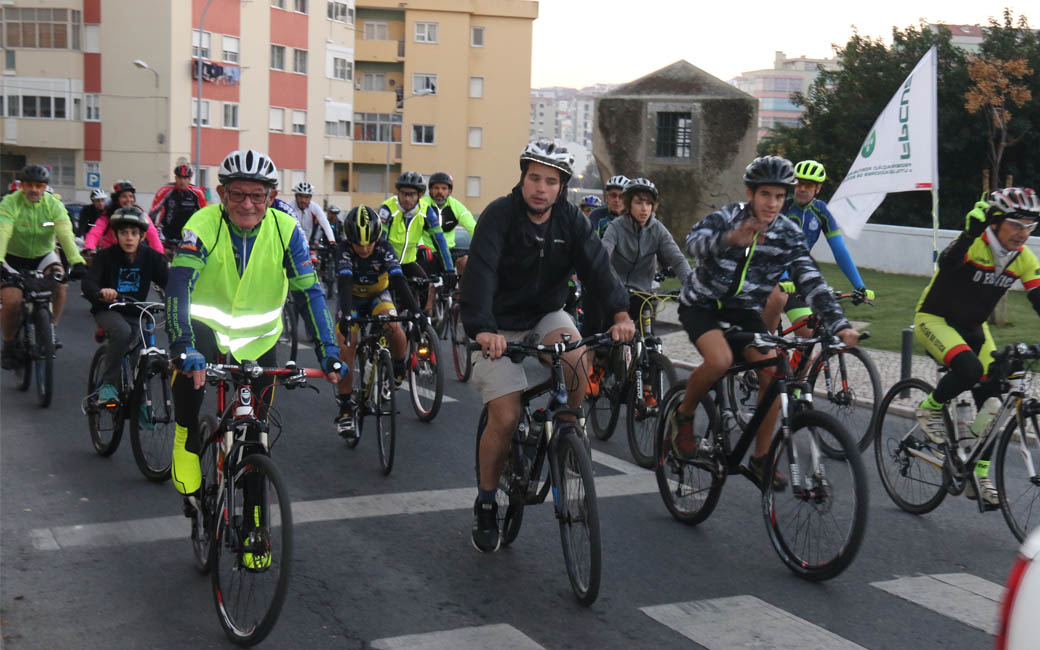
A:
[460,346]
[605,407]
[105,424]
[24,372]
[290,335]
[834,482]
[209,459]
[511,488]
[153,405]
[910,465]
[641,417]
[742,395]
[232,578]
[385,403]
[425,375]
[43,356]
[842,403]
[689,487]
[1020,491]
[440,316]
[578,513]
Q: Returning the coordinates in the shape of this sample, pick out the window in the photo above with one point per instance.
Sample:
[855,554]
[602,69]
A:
[202,178]
[59,108]
[200,44]
[423,83]
[778,84]
[425,32]
[376,31]
[300,6]
[230,115]
[778,104]
[473,186]
[8,59]
[341,12]
[195,113]
[278,3]
[373,81]
[42,28]
[14,102]
[377,127]
[423,134]
[673,135]
[342,69]
[276,120]
[476,36]
[476,87]
[29,105]
[300,61]
[230,44]
[92,107]
[277,57]
[337,128]
[299,122]
[476,137]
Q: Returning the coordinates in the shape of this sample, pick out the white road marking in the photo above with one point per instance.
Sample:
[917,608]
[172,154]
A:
[500,637]
[615,463]
[960,596]
[745,622]
[427,393]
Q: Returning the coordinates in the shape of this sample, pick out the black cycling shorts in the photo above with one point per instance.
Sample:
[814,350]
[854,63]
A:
[699,319]
[23,264]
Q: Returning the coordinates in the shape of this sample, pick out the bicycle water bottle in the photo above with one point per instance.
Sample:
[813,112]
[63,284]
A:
[965,439]
[986,414]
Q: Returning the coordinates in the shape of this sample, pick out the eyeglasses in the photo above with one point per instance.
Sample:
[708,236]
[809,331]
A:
[1027,226]
[238,196]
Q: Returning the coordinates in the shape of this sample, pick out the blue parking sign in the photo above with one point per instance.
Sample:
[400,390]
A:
[93,180]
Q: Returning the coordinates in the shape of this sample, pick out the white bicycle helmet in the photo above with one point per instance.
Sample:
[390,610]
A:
[303,188]
[547,152]
[98,193]
[1017,201]
[641,185]
[248,165]
[616,182]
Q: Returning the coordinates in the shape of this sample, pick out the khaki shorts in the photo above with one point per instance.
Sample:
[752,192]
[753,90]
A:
[500,377]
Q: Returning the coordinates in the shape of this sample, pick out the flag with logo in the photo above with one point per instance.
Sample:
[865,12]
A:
[900,154]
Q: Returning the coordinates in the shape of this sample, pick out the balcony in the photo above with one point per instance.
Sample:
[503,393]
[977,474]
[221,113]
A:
[374,153]
[382,51]
[374,101]
[43,133]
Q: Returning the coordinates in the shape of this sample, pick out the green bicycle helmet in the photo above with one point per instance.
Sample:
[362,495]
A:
[810,170]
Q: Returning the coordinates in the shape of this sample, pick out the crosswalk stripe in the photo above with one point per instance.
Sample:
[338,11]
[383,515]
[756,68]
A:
[745,622]
[427,393]
[960,596]
[500,637]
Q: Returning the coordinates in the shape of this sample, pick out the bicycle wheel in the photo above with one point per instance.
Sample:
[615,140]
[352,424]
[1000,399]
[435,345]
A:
[460,346]
[252,556]
[604,407]
[106,424]
[209,461]
[643,410]
[151,421]
[425,375]
[385,407]
[43,356]
[742,395]
[290,335]
[853,388]
[690,485]
[578,514]
[440,315]
[910,465]
[512,486]
[817,525]
[1018,472]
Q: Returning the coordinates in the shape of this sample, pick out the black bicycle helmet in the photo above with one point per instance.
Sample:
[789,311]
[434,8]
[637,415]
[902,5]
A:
[442,177]
[182,171]
[129,216]
[770,170]
[411,179]
[362,226]
[121,186]
[34,174]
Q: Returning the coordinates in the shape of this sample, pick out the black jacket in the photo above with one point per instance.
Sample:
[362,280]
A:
[111,269]
[512,280]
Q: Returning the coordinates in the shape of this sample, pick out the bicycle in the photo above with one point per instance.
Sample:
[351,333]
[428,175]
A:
[460,344]
[425,372]
[544,434]
[242,532]
[849,379]
[918,474]
[34,340]
[144,397]
[831,492]
[323,255]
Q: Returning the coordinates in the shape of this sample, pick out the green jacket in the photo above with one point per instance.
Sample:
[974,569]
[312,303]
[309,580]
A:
[453,214]
[22,229]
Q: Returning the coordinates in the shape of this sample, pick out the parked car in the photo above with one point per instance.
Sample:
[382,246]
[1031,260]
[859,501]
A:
[1019,625]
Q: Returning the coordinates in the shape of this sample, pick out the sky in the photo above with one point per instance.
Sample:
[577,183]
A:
[578,43]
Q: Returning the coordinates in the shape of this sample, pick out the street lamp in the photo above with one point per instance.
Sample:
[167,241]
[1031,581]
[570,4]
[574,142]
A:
[386,176]
[144,66]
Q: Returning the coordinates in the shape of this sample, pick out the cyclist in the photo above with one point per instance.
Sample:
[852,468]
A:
[90,213]
[742,250]
[27,244]
[590,202]
[124,269]
[175,202]
[612,191]
[451,213]
[520,262]
[124,195]
[813,216]
[335,217]
[308,212]
[366,266]
[235,264]
[975,270]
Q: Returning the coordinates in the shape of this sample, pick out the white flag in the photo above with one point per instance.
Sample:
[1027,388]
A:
[900,153]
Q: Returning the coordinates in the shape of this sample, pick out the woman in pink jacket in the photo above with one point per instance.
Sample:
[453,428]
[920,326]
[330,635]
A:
[123,195]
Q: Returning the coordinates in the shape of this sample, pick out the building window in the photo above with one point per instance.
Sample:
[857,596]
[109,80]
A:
[376,31]
[476,36]
[476,87]
[8,59]
[41,28]
[277,57]
[299,122]
[341,11]
[278,3]
[276,120]
[200,44]
[202,177]
[195,112]
[377,127]
[778,104]
[423,134]
[473,186]
[673,135]
[425,32]
[375,81]
[300,61]
[300,6]
[92,107]
[423,83]
[230,115]
[337,128]
[476,137]
[230,44]
[342,69]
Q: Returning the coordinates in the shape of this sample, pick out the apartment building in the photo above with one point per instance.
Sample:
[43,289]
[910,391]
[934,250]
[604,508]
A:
[774,87]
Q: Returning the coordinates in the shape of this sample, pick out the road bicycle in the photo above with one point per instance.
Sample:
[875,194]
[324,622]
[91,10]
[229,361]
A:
[817,526]
[35,340]
[144,397]
[555,433]
[918,474]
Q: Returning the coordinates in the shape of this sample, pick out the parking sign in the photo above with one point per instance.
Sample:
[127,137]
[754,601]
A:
[93,180]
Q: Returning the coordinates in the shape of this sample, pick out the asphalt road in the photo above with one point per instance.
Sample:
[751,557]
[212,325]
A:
[88,560]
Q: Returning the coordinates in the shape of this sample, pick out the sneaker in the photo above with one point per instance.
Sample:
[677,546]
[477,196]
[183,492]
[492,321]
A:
[987,490]
[9,357]
[485,536]
[107,395]
[595,377]
[757,467]
[932,423]
[680,432]
[57,343]
[346,427]
[146,417]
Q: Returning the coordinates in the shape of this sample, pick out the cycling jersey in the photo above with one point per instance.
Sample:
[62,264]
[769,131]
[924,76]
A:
[289,209]
[307,216]
[22,230]
[404,231]
[367,278]
[100,236]
[87,217]
[452,215]
[816,218]
[171,208]
[600,218]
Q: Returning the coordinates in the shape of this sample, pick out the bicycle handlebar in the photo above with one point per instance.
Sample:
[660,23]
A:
[1021,351]
[768,341]
[295,376]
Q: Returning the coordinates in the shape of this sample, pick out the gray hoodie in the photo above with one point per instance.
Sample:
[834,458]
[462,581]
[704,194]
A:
[634,249]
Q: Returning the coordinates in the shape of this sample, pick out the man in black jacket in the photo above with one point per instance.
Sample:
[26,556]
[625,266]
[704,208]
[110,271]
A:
[524,250]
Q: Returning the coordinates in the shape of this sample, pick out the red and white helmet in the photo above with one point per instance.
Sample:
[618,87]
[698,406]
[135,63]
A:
[1015,201]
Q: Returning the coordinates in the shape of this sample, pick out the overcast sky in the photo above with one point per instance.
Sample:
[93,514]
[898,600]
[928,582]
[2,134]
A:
[581,42]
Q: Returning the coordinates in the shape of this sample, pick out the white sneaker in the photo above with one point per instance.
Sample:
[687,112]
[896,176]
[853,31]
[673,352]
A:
[988,490]
[933,424]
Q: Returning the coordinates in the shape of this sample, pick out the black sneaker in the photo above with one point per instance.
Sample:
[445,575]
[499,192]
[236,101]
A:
[485,536]
[757,467]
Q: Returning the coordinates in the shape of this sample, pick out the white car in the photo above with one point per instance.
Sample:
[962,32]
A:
[1019,625]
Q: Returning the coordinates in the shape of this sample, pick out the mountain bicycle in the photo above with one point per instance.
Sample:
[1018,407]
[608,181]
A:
[34,340]
[423,363]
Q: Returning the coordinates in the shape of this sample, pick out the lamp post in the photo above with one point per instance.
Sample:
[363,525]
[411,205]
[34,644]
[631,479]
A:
[198,102]
[144,66]
[386,176]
